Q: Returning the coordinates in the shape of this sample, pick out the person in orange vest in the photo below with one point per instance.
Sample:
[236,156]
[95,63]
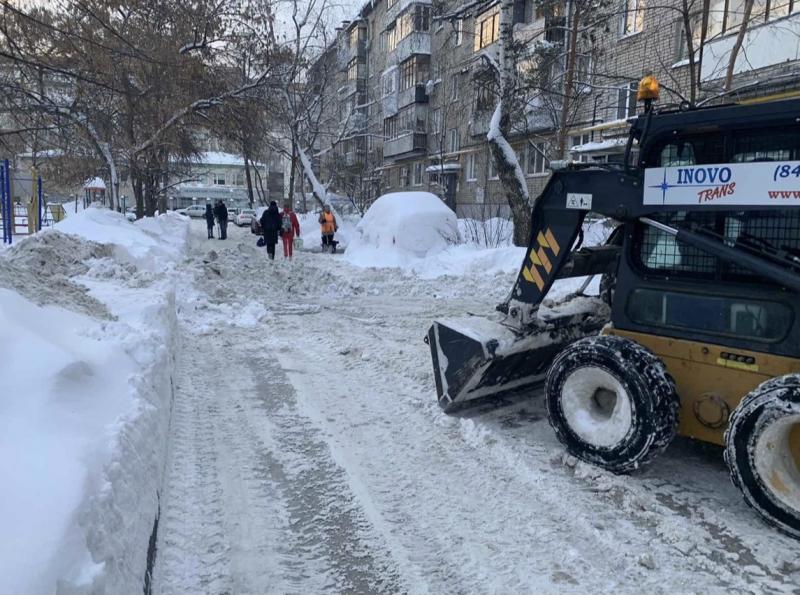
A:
[290,227]
[328,227]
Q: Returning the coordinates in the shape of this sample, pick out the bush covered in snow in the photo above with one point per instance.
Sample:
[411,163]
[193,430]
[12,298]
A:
[402,227]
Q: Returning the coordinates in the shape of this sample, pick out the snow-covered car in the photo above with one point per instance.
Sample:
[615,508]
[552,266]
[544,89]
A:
[193,211]
[245,217]
[130,214]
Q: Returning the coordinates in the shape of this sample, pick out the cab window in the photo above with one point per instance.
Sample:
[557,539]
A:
[716,315]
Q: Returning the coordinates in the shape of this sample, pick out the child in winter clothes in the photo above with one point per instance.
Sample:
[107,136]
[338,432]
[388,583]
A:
[290,227]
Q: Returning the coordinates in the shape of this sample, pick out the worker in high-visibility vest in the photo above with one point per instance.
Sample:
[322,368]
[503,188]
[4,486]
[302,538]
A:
[328,227]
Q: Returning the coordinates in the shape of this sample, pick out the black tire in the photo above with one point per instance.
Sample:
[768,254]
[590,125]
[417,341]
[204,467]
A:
[758,455]
[619,409]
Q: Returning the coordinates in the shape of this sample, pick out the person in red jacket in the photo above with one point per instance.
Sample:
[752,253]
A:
[290,228]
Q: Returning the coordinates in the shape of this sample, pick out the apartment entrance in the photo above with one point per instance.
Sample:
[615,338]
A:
[449,186]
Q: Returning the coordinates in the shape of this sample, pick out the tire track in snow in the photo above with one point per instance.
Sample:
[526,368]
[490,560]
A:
[254,502]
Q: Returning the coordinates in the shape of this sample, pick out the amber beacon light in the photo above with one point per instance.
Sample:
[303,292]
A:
[648,90]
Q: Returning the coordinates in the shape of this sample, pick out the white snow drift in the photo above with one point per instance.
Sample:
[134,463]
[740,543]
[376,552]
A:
[400,228]
[85,401]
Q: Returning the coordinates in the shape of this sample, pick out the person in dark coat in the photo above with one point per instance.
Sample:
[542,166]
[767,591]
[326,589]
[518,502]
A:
[222,218]
[270,222]
[210,221]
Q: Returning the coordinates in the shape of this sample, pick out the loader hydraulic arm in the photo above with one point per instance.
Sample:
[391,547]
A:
[556,222]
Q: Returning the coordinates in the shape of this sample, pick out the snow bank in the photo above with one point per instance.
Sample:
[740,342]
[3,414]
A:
[147,243]
[86,399]
[402,228]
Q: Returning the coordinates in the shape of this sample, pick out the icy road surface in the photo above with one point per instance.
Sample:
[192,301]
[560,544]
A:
[308,454]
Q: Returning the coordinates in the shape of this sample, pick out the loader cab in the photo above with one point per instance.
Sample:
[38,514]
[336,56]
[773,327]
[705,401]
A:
[720,328]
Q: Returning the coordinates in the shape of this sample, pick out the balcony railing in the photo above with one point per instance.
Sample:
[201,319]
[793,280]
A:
[415,94]
[359,50]
[415,43]
[413,141]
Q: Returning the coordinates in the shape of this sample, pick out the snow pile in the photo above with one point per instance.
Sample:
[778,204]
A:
[86,397]
[402,228]
[148,243]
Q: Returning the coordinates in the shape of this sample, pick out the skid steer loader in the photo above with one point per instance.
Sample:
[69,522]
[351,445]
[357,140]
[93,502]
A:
[697,329]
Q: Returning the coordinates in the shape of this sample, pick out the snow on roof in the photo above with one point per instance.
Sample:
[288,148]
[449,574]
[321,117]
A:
[221,158]
[44,153]
[94,184]
[432,169]
[603,145]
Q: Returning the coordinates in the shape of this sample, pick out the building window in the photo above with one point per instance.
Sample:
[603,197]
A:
[583,71]
[459,31]
[352,69]
[219,179]
[626,101]
[417,180]
[472,170]
[382,41]
[436,120]
[240,178]
[414,71]
[492,168]
[454,87]
[404,176]
[633,16]
[454,140]
[487,29]
[535,163]
[485,99]
[417,18]
[388,80]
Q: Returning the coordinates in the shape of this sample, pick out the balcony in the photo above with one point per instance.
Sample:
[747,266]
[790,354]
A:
[480,122]
[413,141]
[766,45]
[416,42]
[358,85]
[359,51]
[389,105]
[352,158]
[400,6]
[415,94]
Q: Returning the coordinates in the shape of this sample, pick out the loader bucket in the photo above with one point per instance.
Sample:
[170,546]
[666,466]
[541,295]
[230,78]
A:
[475,357]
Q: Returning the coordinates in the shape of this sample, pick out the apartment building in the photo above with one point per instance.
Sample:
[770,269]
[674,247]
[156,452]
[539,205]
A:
[414,97]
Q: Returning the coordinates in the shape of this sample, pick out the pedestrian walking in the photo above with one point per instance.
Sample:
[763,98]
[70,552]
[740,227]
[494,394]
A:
[270,222]
[290,227]
[210,220]
[221,213]
[328,227]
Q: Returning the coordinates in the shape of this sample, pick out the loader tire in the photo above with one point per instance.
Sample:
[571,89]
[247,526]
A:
[611,402]
[762,450]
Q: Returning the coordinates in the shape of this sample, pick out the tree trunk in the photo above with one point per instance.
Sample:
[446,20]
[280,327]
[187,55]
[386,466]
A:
[505,159]
[748,8]
[291,173]
[569,83]
[690,50]
[249,181]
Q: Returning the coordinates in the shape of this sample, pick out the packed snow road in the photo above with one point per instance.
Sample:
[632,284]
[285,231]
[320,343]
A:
[308,453]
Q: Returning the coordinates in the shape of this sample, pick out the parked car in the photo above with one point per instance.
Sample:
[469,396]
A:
[130,213]
[245,217]
[193,211]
